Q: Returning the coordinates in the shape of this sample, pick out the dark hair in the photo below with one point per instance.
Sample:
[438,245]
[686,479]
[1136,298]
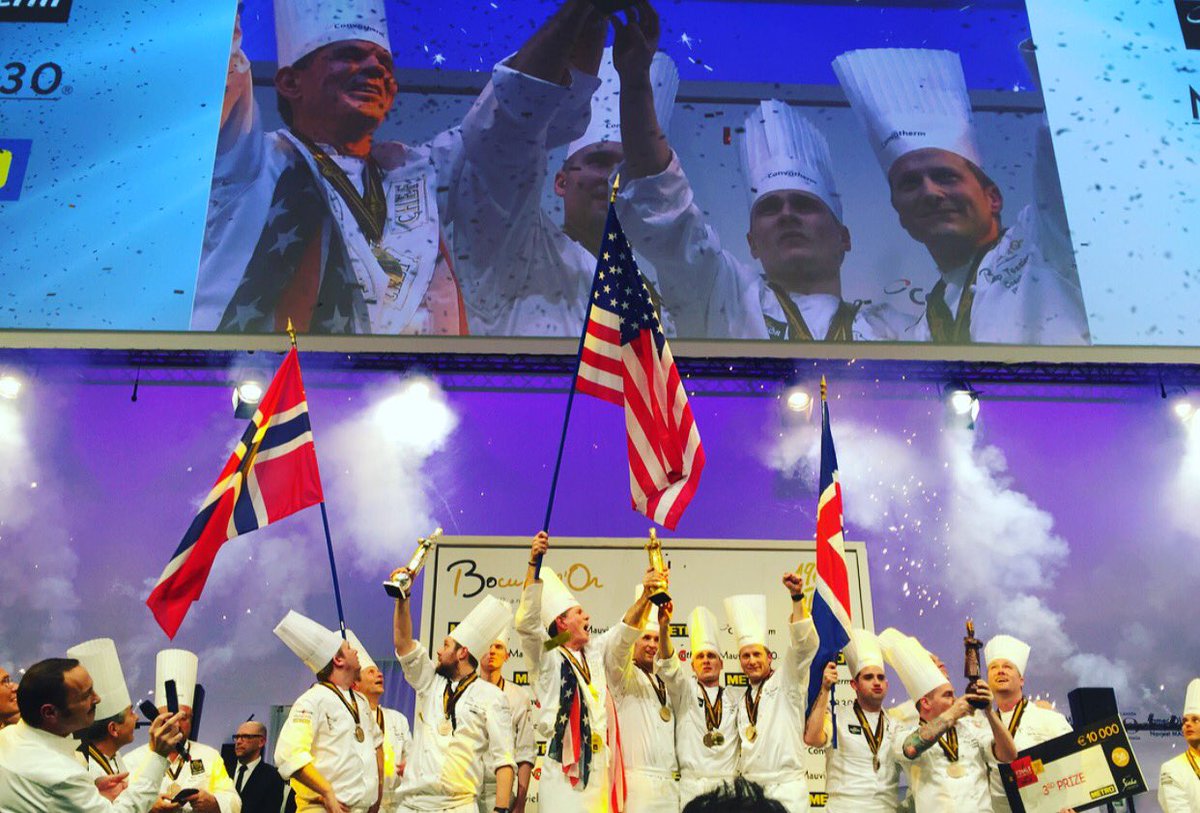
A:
[739,796]
[43,683]
[283,105]
[326,671]
[98,730]
[552,629]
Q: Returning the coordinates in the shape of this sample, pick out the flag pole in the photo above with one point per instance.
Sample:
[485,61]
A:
[833,740]
[562,441]
[337,588]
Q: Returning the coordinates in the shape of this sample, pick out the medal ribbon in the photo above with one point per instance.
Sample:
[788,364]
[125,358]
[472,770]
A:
[1018,714]
[660,688]
[353,709]
[841,327]
[500,685]
[949,744]
[752,708]
[712,711]
[174,773]
[956,330]
[370,208]
[581,666]
[1193,763]
[874,738]
[379,719]
[449,701]
[101,760]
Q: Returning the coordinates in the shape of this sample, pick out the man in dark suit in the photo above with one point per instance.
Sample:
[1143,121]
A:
[258,783]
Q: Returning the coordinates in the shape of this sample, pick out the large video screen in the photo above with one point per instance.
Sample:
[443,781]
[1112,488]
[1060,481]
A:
[1012,172]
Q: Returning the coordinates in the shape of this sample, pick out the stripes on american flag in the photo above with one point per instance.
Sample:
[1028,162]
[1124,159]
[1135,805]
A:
[626,360]
[831,602]
[271,474]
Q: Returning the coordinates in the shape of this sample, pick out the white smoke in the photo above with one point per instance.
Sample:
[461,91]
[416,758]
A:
[38,595]
[379,483]
[967,535]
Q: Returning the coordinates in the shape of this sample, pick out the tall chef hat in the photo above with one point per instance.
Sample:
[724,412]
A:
[605,124]
[505,635]
[99,658]
[556,598]
[862,651]
[747,614]
[1191,705]
[1008,648]
[303,26]
[180,666]
[310,642]
[483,624]
[365,661]
[909,99]
[703,631]
[783,150]
[912,663]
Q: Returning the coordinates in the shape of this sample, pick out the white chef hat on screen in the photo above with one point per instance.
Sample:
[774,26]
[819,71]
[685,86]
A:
[303,26]
[782,150]
[605,123]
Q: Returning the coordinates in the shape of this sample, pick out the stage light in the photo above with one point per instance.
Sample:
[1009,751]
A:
[798,400]
[1184,410]
[246,396]
[10,386]
[962,402]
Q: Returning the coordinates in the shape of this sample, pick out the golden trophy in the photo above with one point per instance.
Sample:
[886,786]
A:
[401,586]
[654,548]
[972,667]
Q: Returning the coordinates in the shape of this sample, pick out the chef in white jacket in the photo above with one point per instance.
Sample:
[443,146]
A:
[1179,779]
[1029,723]
[861,774]
[524,274]
[39,772]
[462,726]
[329,747]
[771,714]
[706,716]
[946,757]
[393,726]
[647,716]
[1001,282]
[115,722]
[520,704]
[320,221]
[199,766]
[569,672]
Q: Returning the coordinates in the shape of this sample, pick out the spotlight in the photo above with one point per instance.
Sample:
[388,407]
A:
[962,401]
[10,386]
[1184,410]
[246,396]
[798,400]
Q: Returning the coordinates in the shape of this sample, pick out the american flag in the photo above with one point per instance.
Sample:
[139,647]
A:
[625,360]
[271,474]
[831,601]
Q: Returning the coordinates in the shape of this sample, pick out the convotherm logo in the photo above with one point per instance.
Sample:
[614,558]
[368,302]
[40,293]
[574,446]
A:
[35,11]
[1189,21]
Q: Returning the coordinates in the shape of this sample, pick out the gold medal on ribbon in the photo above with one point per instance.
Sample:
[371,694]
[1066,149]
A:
[444,728]
[751,733]
[709,740]
[359,734]
[955,770]
[597,743]
[665,713]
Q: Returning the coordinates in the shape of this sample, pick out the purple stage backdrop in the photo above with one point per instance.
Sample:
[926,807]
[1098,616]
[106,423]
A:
[1068,517]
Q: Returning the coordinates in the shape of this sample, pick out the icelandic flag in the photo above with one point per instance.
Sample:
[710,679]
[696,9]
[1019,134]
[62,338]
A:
[271,474]
[831,601]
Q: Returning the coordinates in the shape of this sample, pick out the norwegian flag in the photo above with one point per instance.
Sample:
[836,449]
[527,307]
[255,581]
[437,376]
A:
[831,601]
[626,360]
[271,474]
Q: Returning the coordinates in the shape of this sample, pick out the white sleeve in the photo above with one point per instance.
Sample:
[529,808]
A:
[1172,797]
[418,668]
[525,743]
[710,294]
[293,749]
[679,686]
[802,648]
[499,724]
[616,647]
[220,785]
[529,629]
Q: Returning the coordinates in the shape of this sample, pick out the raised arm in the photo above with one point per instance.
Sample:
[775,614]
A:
[646,149]
[529,611]
[1003,747]
[815,735]
[402,632]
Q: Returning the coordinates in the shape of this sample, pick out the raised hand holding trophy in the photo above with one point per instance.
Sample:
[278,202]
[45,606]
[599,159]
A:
[399,586]
[972,668]
[654,548]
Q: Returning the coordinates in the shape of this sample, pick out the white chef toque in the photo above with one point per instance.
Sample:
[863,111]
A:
[747,614]
[99,658]
[483,624]
[782,149]
[180,666]
[1007,648]
[303,26]
[308,640]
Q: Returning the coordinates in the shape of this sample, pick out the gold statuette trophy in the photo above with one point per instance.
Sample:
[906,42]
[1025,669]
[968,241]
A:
[654,549]
[401,586]
[972,669]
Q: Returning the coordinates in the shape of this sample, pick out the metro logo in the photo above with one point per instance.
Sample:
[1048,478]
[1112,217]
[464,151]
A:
[35,11]
[14,158]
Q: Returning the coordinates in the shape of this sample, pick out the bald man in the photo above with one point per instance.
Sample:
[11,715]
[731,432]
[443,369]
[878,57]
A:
[258,784]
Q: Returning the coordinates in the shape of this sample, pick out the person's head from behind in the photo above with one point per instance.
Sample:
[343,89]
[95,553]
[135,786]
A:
[117,729]
[738,796]
[57,696]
